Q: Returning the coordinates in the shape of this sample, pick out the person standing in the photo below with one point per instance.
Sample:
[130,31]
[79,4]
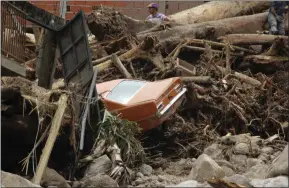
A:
[155,16]
[276,17]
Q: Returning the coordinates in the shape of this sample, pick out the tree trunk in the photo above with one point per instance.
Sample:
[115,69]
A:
[216,10]
[214,29]
[251,39]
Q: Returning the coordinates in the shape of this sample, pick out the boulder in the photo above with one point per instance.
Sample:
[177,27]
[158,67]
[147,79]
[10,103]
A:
[52,178]
[215,151]
[280,181]
[146,170]
[13,180]
[257,172]
[253,162]
[241,148]
[100,180]
[239,160]
[228,171]
[267,150]
[100,165]
[189,183]
[238,179]
[205,168]
[279,165]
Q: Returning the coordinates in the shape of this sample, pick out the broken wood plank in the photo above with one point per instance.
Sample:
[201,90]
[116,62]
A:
[199,49]
[241,76]
[55,126]
[98,61]
[197,79]
[263,59]
[116,61]
[250,39]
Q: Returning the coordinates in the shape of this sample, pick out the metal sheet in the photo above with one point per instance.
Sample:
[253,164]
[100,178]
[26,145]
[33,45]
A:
[75,50]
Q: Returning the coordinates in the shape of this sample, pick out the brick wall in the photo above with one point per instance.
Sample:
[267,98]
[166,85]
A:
[135,9]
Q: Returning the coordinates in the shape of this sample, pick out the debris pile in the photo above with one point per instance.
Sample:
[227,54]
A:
[231,131]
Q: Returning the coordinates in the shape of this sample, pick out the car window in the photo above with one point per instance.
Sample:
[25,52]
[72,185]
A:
[125,90]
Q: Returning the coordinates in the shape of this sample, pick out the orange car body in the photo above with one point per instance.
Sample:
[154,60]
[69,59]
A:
[147,103]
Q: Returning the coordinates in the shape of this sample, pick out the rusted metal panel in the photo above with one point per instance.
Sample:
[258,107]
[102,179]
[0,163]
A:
[13,38]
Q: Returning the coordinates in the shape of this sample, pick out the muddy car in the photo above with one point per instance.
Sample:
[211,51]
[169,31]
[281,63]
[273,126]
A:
[147,103]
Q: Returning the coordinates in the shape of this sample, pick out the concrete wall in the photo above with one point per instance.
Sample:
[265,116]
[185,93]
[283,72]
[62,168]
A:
[135,9]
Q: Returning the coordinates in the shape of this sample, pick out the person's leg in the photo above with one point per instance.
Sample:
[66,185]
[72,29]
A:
[281,25]
[273,23]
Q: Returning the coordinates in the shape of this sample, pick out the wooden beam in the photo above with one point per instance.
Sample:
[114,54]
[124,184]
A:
[55,126]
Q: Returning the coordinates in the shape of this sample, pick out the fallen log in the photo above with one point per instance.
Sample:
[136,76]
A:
[263,59]
[216,10]
[116,61]
[214,29]
[250,39]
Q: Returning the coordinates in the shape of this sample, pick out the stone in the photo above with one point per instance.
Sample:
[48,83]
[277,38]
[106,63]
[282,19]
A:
[239,160]
[189,183]
[228,171]
[279,165]
[264,157]
[253,162]
[241,148]
[100,180]
[279,181]
[13,180]
[161,178]
[205,168]
[146,170]
[139,175]
[267,150]
[215,151]
[224,163]
[257,172]
[52,178]
[100,165]
[139,181]
[182,161]
[238,179]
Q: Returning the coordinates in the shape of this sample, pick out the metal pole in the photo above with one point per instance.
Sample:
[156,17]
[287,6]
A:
[62,9]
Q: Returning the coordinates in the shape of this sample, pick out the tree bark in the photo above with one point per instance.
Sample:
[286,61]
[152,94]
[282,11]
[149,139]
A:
[251,39]
[216,10]
[214,29]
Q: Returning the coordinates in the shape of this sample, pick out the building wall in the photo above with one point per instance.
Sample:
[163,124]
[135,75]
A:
[134,9]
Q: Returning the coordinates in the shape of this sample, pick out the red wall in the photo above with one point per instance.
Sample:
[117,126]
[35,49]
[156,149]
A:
[135,9]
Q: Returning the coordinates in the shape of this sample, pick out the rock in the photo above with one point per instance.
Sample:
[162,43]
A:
[100,165]
[77,184]
[241,148]
[241,138]
[280,165]
[239,160]
[205,168]
[215,151]
[228,171]
[161,178]
[146,170]
[238,179]
[267,150]
[264,157]
[189,183]
[280,181]
[253,162]
[139,175]
[13,180]
[158,170]
[139,181]
[257,172]
[194,159]
[100,180]
[52,178]
[182,162]
[224,163]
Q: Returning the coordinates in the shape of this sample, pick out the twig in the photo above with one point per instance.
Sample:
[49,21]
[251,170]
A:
[98,61]
[132,70]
